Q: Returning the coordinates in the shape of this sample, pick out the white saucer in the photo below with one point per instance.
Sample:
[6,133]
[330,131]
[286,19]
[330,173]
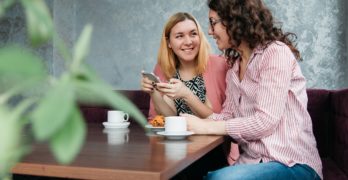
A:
[154,129]
[116,125]
[175,136]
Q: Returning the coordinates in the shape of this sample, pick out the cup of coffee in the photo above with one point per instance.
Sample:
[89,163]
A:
[175,124]
[117,116]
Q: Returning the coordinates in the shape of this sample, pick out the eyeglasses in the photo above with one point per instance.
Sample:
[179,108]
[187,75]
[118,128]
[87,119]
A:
[213,22]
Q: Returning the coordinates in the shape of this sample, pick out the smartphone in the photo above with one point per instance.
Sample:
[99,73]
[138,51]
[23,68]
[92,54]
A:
[151,76]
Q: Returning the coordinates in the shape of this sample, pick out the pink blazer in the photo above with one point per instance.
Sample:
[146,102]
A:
[214,79]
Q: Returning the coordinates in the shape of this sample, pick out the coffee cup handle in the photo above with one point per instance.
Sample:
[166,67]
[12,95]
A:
[127,116]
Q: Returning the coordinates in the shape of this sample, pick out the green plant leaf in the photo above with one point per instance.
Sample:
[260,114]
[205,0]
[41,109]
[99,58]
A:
[54,109]
[62,48]
[68,140]
[39,21]
[19,67]
[10,143]
[100,92]
[82,46]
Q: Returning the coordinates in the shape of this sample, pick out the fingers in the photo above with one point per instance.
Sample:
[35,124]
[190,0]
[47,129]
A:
[164,85]
[147,88]
[171,96]
[172,90]
[174,81]
[147,85]
[187,116]
[189,119]
[165,88]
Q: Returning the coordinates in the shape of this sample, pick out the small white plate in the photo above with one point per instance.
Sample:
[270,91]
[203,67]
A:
[175,136]
[116,125]
[154,129]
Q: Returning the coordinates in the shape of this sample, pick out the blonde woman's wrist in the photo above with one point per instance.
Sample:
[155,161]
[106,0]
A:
[187,94]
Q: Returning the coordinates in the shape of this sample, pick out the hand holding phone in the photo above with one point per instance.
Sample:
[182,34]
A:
[151,76]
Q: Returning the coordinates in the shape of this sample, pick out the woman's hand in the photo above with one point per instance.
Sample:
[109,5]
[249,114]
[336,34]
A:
[147,85]
[204,126]
[195,124]
[174,89]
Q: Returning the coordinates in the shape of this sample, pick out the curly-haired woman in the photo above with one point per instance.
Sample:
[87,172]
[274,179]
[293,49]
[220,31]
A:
[266,102]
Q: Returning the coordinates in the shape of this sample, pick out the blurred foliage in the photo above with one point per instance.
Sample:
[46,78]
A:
[48,106]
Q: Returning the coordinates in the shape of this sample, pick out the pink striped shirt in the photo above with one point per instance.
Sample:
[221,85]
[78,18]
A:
[266,112]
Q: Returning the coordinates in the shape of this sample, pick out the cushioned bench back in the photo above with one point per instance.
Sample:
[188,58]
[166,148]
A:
[321,113]
[98,114]
[139,98]
[339,149]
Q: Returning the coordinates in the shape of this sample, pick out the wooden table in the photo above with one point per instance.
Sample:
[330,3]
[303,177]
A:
[110,155]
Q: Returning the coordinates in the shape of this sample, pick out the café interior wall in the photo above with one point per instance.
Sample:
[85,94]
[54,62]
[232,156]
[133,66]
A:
[126,35]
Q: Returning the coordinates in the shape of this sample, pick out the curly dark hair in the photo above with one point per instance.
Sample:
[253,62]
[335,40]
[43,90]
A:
[252,22]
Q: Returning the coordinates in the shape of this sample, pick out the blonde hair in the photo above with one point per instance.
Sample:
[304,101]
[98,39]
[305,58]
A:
[168,60]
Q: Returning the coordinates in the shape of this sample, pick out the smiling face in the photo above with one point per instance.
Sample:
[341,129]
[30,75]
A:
[218,31]
[184,40]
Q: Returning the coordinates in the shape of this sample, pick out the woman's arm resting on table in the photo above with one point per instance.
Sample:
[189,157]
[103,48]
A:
[204,126]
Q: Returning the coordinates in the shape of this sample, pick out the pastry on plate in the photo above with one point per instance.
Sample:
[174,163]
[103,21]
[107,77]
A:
[157,121]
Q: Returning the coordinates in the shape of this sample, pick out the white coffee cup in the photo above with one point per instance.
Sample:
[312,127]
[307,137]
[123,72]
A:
[117,116]
[175,124]
[117,136]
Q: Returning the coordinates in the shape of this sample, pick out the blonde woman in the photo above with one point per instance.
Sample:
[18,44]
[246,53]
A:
[192,81]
